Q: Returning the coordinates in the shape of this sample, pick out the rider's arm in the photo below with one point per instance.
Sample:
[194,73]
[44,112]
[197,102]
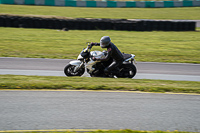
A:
[107,56]
[95,44]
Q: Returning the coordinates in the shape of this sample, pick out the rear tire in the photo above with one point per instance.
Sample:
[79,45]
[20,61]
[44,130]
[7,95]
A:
[127,71]
[69,71]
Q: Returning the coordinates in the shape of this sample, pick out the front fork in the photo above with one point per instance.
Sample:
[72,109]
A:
[77,68]
[133,60]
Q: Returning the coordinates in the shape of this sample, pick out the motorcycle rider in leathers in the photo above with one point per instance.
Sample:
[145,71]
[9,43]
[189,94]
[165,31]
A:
[113,52]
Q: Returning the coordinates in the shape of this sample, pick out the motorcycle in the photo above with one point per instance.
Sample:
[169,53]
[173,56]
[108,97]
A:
[96,68]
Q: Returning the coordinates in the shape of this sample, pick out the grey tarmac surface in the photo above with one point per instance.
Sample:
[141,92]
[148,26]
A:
[37,110]
[54,67]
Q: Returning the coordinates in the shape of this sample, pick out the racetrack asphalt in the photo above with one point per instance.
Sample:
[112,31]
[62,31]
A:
[55,67]
[46,110]
[40,110]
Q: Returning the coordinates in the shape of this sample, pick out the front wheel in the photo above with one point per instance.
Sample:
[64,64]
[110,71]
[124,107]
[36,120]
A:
[127,71]
[69,71]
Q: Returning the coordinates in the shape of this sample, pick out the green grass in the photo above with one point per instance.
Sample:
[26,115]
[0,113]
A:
[154,46]
[116,13]
[182,47]
[87,83]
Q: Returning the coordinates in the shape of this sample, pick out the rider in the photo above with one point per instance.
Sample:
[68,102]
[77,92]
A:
[113,52]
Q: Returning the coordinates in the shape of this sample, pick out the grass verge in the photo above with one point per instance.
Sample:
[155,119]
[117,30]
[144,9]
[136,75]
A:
[87,83]
[156,46]
[115,13]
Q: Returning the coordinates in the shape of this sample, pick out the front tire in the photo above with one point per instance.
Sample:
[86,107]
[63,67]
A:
[127,71]
[69,71]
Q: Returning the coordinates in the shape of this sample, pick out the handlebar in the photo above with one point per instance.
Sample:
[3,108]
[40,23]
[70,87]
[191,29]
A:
[89,47]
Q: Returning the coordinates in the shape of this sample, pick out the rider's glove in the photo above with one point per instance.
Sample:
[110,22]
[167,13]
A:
[92,43]
[94,59]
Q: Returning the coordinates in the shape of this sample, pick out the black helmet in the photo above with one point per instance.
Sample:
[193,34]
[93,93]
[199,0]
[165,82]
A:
[105,41]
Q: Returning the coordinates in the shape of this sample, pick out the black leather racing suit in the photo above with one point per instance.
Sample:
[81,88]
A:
[113,52]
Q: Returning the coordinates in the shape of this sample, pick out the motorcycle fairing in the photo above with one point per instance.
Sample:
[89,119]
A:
[75,62]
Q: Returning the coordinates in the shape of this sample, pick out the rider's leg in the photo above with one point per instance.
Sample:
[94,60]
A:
[112,66]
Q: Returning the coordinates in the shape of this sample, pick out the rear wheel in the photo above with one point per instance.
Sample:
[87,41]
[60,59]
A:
[69,71]
[127,71]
